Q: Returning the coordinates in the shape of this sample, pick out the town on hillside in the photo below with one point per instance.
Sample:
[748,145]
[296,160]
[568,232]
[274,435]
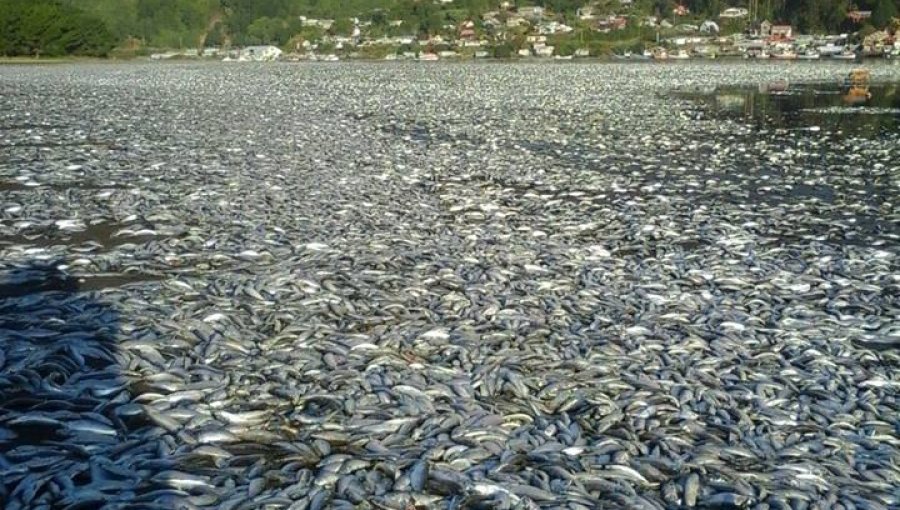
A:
[614,29]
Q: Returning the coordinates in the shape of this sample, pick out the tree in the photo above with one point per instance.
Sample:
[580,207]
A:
[883,12]
[50,28]
[342,26]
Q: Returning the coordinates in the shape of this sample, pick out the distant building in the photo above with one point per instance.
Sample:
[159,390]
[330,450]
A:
[543,50]
[554,27]
[260,53]
[781,32]
[587,13]
[531,13]
[467,30]
[734,13]
[649,21]
[611,23]
[858,16]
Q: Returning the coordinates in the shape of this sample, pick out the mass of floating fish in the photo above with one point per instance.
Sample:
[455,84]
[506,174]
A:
[420,287]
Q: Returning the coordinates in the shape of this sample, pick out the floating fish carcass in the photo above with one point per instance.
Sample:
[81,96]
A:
[441,287]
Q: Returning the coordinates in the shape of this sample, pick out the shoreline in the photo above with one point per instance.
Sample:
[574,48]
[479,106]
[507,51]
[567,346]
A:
[13,61]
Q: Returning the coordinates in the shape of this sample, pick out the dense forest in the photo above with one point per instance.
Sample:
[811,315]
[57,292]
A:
[48,28]
[93,27]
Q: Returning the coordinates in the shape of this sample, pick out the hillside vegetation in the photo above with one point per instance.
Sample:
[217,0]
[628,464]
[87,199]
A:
[93,27]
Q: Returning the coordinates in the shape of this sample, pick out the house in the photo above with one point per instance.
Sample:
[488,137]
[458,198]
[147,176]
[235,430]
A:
[587,13]
[611,23]
[649,21]
[524,52]
[765,28]
[531,13]
[709,27]
[516,21]
[259,54]
[681,10]
[467,30]
[734,13]
[781,32]
[858,16]
[324,24]
[582,52]
[542,50]
[553,27]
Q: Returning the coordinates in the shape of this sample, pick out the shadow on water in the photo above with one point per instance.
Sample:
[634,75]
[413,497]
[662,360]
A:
[823,105]
[70,436]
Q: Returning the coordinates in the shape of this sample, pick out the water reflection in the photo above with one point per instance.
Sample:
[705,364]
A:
[825,106]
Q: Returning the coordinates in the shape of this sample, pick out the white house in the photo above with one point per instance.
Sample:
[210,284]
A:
[259,54]
[533,13]
[586,13]
[554,27]
[734,13]
[543,50]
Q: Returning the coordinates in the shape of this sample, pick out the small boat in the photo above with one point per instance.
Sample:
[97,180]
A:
[809,55]
[680,55]
[830,49]
[785,55]
[844,55]
[660,53]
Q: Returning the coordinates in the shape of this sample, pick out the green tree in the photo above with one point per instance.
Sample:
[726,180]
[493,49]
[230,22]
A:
[50,28]
[883,12]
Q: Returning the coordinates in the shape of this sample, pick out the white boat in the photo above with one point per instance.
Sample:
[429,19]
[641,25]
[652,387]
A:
[680,55]
[785,55]
[809,55]
[830,49]
[844,55]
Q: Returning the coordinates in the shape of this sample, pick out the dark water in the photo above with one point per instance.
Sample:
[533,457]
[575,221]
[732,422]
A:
[823,106]
[103,235]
